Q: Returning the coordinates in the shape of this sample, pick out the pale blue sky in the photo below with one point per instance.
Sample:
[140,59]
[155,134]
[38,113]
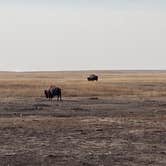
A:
[82,35]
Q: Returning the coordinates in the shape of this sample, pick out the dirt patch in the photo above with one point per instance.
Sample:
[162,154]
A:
[83,131]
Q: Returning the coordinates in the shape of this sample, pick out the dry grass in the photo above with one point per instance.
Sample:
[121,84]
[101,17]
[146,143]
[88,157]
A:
[116,83]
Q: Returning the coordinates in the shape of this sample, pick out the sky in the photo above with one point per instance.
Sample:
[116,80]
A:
[50,35]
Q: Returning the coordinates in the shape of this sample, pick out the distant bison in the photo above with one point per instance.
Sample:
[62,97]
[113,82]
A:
[92,77]
[52,92]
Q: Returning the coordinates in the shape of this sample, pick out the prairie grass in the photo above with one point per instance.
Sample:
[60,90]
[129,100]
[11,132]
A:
[111,83]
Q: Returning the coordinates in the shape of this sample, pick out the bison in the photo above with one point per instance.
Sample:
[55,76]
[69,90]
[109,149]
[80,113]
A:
[52,92]
[92,77]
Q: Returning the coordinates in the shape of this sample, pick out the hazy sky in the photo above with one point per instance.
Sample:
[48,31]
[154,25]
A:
[82,34]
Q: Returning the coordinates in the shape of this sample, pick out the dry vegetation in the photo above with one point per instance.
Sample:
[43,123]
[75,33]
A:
[75,83]
[119,120]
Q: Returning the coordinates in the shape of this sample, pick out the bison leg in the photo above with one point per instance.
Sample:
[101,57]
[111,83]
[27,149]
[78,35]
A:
[59,98]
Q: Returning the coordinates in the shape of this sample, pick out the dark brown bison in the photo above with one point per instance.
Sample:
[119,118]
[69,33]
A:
[92,77]
[52,92]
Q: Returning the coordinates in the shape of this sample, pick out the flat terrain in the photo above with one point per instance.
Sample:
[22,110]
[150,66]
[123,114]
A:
[119,120]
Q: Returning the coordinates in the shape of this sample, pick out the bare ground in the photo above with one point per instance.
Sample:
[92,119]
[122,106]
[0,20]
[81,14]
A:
[83,131]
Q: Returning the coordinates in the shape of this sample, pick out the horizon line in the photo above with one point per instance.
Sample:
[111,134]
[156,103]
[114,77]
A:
[84,70]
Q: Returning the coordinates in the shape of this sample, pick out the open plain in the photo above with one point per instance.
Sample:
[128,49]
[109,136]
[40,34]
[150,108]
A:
[119,120]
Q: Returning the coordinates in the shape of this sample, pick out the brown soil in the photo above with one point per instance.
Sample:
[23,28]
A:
[83,131]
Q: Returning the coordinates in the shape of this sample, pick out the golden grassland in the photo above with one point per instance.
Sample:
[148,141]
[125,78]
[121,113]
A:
[75,84]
